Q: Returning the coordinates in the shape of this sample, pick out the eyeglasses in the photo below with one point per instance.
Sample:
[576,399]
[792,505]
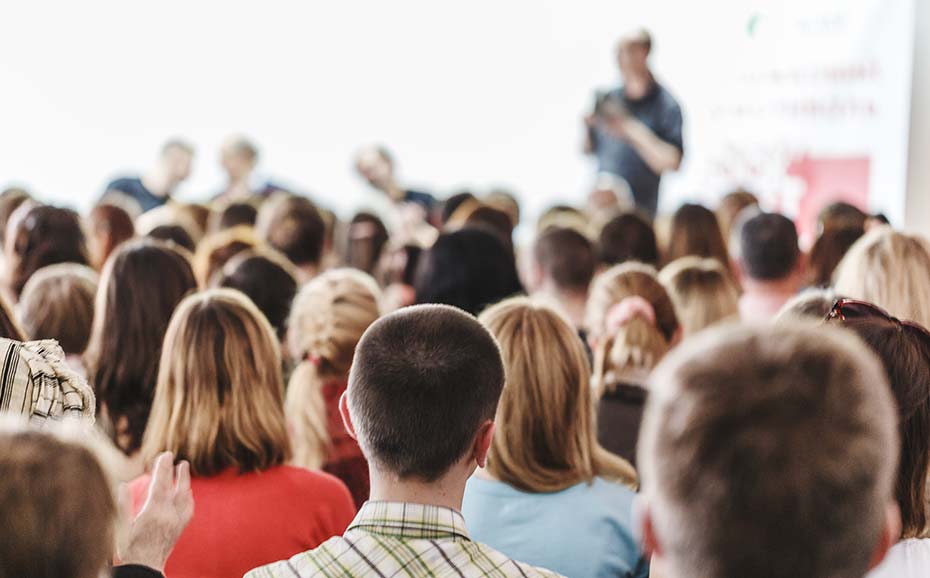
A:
[849,309]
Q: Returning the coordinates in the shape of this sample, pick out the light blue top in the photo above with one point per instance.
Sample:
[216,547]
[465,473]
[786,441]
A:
[581,532]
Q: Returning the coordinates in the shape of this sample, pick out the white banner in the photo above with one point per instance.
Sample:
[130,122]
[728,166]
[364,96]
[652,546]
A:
[804,103]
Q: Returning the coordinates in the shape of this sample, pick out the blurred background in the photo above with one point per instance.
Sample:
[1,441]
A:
[801,102]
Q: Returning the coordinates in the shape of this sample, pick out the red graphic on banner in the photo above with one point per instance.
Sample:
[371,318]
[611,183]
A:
[827,180]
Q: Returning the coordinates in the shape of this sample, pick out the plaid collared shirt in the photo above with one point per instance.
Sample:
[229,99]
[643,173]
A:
[389,539]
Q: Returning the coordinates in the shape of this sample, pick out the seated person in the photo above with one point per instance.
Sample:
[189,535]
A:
[153,189]
[765,454]
[564,264]
[329,316]
[769,265]
[546,470]
[422,395]
[219,404]
[59,513]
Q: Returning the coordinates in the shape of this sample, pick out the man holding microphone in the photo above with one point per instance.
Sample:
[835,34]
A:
[635,131]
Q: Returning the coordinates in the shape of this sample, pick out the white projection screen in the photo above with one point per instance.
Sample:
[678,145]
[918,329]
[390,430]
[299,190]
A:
[801,101]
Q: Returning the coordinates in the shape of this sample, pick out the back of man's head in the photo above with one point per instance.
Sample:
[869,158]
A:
[293,225]
[423,381]
[566,257]
[768,452]
[768,248]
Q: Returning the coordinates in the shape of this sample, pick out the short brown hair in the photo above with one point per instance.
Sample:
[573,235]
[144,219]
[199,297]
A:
[219,401]
[293,225]
[567,257]
[423,380]
[56,507]
[58,303]
[765,453]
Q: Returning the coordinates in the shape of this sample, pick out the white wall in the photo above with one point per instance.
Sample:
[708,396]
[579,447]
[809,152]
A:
[467,94]
[918,185]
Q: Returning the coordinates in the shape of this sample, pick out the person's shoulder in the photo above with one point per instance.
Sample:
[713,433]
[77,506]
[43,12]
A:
[124,183]
[667,99]
[507,566]
[305,564]
[322,486]
[906,559]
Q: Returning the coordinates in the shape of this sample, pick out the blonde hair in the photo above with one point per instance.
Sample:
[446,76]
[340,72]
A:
[889,269]
[702,291]
[639,343]
[219,399]
[328,318]
[545,441]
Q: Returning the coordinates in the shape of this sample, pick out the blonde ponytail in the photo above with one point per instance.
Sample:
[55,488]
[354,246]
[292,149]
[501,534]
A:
[328,317]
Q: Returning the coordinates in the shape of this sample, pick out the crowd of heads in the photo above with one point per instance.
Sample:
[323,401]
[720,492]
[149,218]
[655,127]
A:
[215,332]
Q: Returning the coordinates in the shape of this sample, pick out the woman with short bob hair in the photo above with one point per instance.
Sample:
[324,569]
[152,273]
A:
[545,468]
[702,291]
[219,404]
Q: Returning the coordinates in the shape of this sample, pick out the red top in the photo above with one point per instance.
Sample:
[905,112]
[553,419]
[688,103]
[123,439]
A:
[245,521]
[344,459]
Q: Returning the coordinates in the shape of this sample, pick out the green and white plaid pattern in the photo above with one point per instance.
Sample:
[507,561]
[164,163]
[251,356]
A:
[389,539]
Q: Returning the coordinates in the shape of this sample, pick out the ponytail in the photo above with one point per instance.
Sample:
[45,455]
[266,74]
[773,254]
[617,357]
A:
[306,416]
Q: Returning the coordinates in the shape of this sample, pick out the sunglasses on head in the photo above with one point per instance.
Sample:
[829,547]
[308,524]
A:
[849,309]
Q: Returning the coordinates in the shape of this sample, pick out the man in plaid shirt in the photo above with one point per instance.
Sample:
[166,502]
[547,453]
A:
[421,400]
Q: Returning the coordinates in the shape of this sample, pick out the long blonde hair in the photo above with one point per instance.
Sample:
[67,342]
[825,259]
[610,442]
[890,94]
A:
[219,400]
[636,344]
[329,316]
[890,269]
[702,291]
[545,439]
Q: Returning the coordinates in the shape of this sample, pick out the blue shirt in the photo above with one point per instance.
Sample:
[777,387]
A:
[581,532]
[659,111]
[135,190]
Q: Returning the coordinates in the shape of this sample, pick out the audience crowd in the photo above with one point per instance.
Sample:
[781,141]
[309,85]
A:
[255,387]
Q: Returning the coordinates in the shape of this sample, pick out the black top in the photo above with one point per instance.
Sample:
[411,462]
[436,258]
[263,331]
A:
[135,190]
[619,413]
[659,111]
[135,571]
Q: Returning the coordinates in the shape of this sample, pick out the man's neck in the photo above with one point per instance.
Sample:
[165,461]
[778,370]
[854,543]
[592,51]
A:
[637,87]
[776,287]
[157,183]
[447,491]
[569,303]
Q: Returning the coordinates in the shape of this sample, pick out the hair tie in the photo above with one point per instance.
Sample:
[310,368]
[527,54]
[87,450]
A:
[626,310]
[313,359]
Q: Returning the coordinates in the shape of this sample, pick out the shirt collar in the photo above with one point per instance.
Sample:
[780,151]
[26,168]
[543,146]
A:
[410,521]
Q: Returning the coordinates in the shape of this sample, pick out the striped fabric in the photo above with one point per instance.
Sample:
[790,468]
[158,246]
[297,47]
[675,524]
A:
[389,539]
[36,382]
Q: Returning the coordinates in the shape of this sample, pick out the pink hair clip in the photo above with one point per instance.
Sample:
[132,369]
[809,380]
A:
[626,310]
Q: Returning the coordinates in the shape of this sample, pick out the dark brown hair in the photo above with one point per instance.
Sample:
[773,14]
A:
[141,285]
[905,353]
[695,231]
[628,237]
[423,380]
[366,237]
[295,227]
[9,326]
[268,282]
[567,257]
[827,252]
[46,235]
